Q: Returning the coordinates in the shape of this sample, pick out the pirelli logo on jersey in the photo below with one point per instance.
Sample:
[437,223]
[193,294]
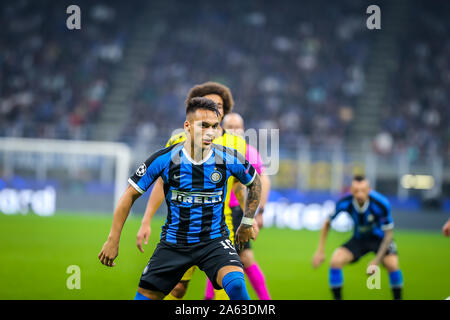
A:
[196,197]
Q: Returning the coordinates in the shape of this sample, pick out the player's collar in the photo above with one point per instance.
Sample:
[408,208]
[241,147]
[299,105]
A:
[199,162]
[363,208]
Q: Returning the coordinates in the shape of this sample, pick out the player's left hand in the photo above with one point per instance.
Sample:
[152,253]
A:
[374,262]
[243,235]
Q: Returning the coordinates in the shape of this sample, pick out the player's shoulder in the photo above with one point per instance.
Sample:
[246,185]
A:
[232,140]
[379,199]
[229,154]
[176,138]
[344,200]
[163,153]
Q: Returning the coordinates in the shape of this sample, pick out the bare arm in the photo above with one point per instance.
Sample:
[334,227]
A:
[253,198]
[154,202]
[265,188]
[239,192]
[245,232]
[111,247]
[319,255]
[388,236]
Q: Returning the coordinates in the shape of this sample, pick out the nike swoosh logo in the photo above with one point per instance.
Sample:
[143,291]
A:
[176,177]
[232,253]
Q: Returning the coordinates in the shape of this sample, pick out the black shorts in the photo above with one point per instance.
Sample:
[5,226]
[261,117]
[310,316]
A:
[170,261]
[359,247]
[237,214]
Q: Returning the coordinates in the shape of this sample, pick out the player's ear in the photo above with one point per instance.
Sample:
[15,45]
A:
[187,126]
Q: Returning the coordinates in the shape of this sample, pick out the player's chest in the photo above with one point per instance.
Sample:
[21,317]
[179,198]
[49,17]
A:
[367,217]
[191,176]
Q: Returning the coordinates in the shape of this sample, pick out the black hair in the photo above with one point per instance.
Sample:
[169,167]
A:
[359,177]
[195,104]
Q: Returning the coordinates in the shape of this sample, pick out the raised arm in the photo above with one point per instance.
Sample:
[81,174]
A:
[110,249]
[154,202]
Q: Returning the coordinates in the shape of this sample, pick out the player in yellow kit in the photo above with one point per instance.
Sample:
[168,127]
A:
[221,95]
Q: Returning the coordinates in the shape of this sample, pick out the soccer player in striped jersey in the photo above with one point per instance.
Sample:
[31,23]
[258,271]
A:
[373,232]
[195,175]
[223,98]
[234,123]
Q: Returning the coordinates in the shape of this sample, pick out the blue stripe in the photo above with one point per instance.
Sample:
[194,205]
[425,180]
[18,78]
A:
[195,224]
[173,227]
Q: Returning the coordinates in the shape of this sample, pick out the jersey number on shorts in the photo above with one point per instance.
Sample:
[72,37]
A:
[227,244]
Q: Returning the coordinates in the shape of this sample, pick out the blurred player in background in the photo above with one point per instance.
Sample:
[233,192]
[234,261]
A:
[195,174]
[234,123]
[373,231]
[223,98]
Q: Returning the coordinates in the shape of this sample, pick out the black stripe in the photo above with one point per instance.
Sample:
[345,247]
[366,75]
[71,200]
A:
[231,151]
[198,176]
[207,217]
[174,171]
[251,169]
[169,221]
[183,225]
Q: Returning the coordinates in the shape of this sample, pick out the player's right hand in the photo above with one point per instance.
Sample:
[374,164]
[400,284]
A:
[109,252]
[143,235]
[318,259]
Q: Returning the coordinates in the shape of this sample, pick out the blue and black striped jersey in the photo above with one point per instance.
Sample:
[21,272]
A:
[194,191]
[369,220]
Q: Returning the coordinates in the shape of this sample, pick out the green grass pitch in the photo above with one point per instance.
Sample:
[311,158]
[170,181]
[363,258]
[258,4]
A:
[35,253]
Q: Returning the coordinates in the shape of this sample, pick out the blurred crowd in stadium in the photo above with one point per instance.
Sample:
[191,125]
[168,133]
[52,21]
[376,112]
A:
[53,83]
[417,114]
[300,68]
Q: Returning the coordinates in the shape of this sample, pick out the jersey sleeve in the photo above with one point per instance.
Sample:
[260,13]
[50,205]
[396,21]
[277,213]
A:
[255,159]
[341,206]
[148,172]
[242,169]
[386,221]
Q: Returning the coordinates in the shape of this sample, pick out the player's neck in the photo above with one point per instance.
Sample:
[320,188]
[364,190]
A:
[195,153]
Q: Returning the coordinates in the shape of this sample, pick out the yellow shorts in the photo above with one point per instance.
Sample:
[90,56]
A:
[188,274]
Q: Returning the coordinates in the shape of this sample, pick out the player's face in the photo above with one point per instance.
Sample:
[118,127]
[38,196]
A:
[218,101]
[360,191]
[202,127]
[234,124]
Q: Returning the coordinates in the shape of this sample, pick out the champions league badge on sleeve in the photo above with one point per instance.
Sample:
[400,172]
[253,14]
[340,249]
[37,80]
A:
[215,177]
[141,170]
